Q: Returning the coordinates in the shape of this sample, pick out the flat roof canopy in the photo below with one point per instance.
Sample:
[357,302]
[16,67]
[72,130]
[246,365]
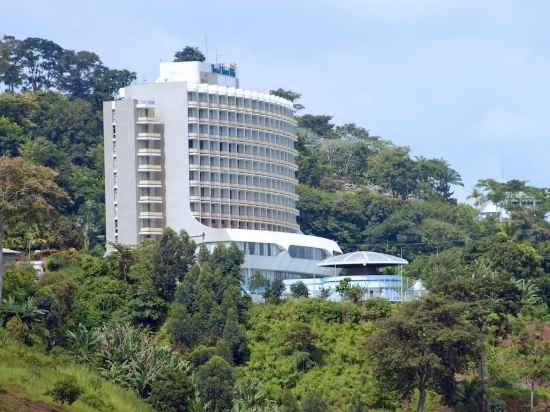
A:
[362,258]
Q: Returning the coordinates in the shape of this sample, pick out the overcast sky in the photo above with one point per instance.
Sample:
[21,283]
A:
[463,80]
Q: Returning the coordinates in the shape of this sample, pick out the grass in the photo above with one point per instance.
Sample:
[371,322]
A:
[26,373]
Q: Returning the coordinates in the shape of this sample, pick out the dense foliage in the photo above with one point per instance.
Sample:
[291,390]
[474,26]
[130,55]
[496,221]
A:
[169,321]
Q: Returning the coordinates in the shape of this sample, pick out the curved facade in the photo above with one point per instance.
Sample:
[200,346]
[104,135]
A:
[194,152]
[241,159]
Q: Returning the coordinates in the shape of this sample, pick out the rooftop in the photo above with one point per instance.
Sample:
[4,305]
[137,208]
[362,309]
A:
[362,258]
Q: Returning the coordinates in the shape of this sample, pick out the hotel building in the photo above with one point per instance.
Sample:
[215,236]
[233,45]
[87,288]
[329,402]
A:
[195,152]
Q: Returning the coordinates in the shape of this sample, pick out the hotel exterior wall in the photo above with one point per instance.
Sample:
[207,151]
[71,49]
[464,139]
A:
[170,104]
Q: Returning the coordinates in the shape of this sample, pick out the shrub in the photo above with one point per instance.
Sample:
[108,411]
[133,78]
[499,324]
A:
[96,402]
[16,329]
[130,357]
[20,283]
[313,402]
[65,390]
[377,308]
[172,392]
[299,290]
[201,354]
[215,380]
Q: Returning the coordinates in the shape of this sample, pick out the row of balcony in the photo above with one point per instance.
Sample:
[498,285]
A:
[241,126]
[255,219]
[239,202]
[246,156]
[244,187]
[290,119]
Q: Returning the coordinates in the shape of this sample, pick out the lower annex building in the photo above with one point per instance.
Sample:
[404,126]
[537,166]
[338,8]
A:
[194,152]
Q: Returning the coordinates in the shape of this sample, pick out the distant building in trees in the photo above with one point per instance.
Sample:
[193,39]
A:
[362,270]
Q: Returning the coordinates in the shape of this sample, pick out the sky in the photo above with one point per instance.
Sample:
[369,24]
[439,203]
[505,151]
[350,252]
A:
[462,80]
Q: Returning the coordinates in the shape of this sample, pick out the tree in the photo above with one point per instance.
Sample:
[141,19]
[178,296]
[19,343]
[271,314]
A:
[347,291]
[422,347]
[299,290]
[489,298]
[274,292]
[534,354]
[173,260]
[171,392]
[313,402]
[209,305]
[28,193]
[234,339]
[288,95]
[319,124]
[10,66]
[438,177]
[39,59]
[258,282]
[189,54]
[393,170]
[215,381]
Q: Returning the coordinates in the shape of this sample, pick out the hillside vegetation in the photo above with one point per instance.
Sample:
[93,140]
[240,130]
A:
[165,326]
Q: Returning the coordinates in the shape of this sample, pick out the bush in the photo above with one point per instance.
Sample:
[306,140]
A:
[299,290]
[201,354]
[215,380]
[65,390]
[20,283]
[377,308]
[16,329]
[172,392]
[313,402]
[96,403]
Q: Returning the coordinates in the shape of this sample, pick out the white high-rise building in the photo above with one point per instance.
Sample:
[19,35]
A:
[194,152]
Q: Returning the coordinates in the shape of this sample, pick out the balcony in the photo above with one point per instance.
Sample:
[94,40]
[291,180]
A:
[150,183]
[150,199]
[146,104]
[148,136]
[149,168]
[151,215]
[150,231]
[148,151]
[147,120]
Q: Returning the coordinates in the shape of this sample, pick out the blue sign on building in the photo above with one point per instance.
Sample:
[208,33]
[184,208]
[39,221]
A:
[220,68]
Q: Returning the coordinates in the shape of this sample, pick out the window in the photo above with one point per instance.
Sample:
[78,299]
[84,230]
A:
[304,252]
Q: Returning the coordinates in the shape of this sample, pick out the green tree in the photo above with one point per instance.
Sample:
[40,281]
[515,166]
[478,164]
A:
[286,94]
[172,392]
[173,260]
[346,290]
[39,59]
[189,54]
[10,66]
[313,402]
[319,124]
[258,282]
[394,170]
[299,290]
[274,293]
[215,382]
[422,347]
[534,354]
[28,193]
[490,299]
[234,339]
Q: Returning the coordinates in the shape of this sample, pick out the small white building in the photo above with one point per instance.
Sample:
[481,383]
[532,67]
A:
[363,269]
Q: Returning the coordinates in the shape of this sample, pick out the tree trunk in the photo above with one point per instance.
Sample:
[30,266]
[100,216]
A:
[421,394]
[1,257]
[481,371]
[532,396]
